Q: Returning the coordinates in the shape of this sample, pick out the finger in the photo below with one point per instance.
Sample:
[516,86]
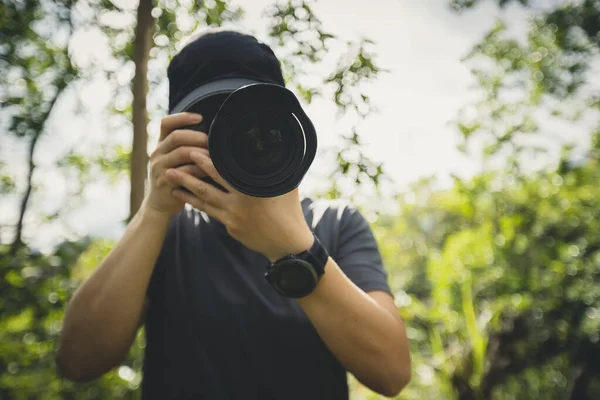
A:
[206,164]
[179,157]
[204,192]
[171,122]
[192,169]
[182,137]
[195,202]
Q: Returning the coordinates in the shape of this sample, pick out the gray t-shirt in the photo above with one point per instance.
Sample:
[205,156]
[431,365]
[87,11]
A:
[217,330]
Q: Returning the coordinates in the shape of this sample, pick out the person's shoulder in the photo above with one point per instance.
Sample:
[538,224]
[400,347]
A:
[321,207]
[326,203]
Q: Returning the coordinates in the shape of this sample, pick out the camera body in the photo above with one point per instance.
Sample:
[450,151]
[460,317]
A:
[259,138]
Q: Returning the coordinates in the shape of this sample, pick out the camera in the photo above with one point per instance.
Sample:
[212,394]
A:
[259,138]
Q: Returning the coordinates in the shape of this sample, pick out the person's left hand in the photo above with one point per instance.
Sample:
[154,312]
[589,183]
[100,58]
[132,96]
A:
[274,227]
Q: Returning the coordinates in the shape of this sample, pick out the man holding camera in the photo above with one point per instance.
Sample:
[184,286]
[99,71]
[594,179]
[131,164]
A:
[242,296]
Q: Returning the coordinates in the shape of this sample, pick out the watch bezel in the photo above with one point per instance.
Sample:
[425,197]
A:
[276,271]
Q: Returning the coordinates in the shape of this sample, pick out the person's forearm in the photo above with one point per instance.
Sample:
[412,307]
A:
[366,339]
[104,314]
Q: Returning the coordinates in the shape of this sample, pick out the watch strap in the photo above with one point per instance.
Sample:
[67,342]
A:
[317,256]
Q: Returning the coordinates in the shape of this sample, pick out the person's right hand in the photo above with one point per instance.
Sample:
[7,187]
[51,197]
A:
[173,151]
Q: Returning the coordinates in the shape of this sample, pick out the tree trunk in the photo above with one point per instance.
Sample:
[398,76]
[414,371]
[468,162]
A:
[581,382]
[139,152]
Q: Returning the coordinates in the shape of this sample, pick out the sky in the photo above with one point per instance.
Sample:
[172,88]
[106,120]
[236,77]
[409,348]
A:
[420,42]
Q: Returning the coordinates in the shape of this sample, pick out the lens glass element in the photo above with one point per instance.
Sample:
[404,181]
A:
[261,142]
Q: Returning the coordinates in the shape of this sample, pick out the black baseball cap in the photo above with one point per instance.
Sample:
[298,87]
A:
[219,61]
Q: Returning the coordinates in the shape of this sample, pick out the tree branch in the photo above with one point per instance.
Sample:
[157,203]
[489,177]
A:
[18,238]
[581,381]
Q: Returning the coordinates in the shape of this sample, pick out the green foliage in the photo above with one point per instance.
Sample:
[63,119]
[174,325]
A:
[499,283]
[497,277]
[459,5]
[36,70]
[521,79]
[36,67]
[35,290]
[7,184]
[114,161]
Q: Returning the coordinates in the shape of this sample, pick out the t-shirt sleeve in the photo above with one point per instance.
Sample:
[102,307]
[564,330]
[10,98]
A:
[358,253]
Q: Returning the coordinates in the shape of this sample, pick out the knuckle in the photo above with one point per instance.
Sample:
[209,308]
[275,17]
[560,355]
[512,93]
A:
[161,182]
[176,137]
[180,152]
[164,124]
[187,150]
[153,166]
[164,128]
[200,190]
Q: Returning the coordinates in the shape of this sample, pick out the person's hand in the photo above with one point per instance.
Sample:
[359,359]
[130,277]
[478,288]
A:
[173,151]
[274,227]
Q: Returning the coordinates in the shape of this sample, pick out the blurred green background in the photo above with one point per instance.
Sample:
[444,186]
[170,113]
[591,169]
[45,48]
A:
[495,273]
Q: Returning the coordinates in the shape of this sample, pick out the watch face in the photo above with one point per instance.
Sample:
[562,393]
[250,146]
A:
[294,278]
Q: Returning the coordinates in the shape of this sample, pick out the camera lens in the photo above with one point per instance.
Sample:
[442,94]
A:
[260,141]
[262,146]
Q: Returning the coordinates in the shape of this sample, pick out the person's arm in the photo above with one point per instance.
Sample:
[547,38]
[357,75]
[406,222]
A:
[103,316]
[363,331]
[354,312]
[348,309]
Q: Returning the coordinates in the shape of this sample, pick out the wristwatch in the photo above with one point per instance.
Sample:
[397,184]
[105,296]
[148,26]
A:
[297,275]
